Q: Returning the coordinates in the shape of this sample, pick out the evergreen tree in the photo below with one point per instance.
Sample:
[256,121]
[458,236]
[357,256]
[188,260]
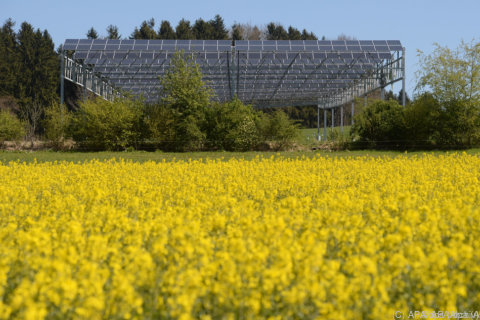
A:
[276,32]
[146,30]
[237,32]
[9,59]
[112,32]
[184,31]
[92,33]
[294,34]
[203,30]
[166,31]
[309,35]
[219,30]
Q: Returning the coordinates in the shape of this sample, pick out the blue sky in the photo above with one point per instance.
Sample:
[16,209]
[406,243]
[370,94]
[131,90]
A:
[417,23]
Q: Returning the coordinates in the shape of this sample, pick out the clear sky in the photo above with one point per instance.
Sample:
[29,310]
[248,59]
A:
[418,24]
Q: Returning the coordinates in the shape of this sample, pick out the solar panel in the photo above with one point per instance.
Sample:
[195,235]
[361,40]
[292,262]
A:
[259,71]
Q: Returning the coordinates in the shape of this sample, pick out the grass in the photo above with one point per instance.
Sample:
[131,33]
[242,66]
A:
[309,135]
[142,156]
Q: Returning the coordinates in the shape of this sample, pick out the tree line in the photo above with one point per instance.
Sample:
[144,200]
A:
[214,29]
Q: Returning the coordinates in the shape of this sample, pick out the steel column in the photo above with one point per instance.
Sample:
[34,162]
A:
[62,76]
[324,123]
[84,80]
[403,78]
[318,122]
[341,119]
[333,119]
[353,111]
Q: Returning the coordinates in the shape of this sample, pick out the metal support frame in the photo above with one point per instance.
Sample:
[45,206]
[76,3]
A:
[318,122]
[273,74]
[62,76]
[324,124]
[353,111]
[403,78]
[341,119]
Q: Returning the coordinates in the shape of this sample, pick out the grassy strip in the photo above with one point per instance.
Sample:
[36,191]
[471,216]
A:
[141,156]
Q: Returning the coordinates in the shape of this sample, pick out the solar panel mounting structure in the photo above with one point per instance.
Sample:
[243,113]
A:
[264,73]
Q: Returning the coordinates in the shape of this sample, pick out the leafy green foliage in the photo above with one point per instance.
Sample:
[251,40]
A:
[231,126]
[11,128]
[105,125]
[381,124]
[57,121]
[278,129]
[185,93]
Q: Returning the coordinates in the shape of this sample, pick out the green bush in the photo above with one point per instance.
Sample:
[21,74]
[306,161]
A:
[105,125]
[231,126]
[159,124]
[11,128]
[277,129]
[380,125]
[56,123]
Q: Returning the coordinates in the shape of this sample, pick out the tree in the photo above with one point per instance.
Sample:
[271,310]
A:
[92,33]
[185,93]
[219,31]
[343,36]
[309,35]
[453,78]
[203,30]
[9,59]
[112,32]
[146,30]
[166,31]
[276,32]
[381,124]
[237,32]
[184,30]
[451,75]
[294,34]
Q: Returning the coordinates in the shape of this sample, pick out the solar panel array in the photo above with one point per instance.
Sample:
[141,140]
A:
[259,72]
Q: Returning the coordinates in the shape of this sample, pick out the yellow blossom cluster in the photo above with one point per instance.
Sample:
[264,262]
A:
[273,238]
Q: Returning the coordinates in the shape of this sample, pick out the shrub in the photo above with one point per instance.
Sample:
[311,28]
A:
[231,126]
[159,121]
[380,125]
[11,128]
[278,129]
[56,123]
[105,125]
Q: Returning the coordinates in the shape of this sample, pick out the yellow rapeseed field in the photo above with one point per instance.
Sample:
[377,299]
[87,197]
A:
[326,238]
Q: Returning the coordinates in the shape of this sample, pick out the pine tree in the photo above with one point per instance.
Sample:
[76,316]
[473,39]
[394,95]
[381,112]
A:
[309,35]
[166,31]
[112,32]
[276,32]
[203,30]
[219,30]
[92,33]
[184,31]
[146,30]
[9,59]
[294,34]
[237,32]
